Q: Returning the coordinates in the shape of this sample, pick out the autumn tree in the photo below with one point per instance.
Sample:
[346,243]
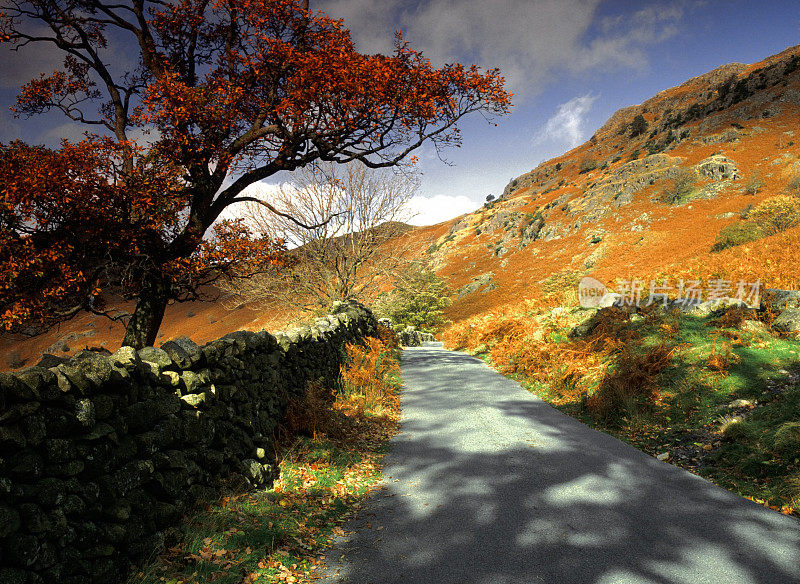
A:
[359,216]
[232,92]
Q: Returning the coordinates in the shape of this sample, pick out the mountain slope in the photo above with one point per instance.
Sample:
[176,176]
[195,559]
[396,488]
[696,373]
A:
[645,197]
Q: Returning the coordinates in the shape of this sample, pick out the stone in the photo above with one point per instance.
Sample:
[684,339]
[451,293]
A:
[25,549]
[170,378]
[184,352]
[718,306]
[741,403]
[754,326]
[255,473]
[37,379]
[9,521]
[192,382]
[610,299]
[664,456]
[13,576]
[85,412]
[788,321]
[126,357]
[156,357]
[73,378]
[48,361]
[103,406]
[195,400]
[34,428]
[51,492]
[97,367]
[33,518]
[779,300]
[60,449]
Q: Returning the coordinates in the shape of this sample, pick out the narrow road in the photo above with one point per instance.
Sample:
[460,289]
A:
[487,484]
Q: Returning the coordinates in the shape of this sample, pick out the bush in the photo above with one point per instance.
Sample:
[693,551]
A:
[371,374]
[586,165]
[638,126]
[754,184]
[737,234]
[776,214]
[679,188]
[787,440]
[633,383]
[793,187]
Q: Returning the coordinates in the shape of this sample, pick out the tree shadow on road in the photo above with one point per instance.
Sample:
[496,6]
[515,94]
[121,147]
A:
[546,499]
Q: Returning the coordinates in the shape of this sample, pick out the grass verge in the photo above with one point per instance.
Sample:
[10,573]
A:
[331,451]
[717,395]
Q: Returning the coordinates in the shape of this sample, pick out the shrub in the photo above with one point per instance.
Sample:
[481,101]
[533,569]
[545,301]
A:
[737,234]
[632,385]
[311,414]
[638,126]
[721,359]
[371,374]
[776,214]
[679,188]
[754,184]
[793,187]
[787,440]
[586,165]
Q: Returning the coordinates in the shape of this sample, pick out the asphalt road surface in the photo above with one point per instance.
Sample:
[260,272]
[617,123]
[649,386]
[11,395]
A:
[487,484]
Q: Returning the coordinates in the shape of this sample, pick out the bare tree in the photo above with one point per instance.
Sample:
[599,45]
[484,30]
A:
[360,216]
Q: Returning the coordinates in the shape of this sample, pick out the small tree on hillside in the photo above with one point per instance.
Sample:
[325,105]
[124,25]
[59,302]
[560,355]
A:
[638,126]
[360,217]
[234,92]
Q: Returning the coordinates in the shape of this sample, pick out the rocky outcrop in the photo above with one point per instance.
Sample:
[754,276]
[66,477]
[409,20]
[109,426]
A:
[101,453]
[718,167]
[484,280]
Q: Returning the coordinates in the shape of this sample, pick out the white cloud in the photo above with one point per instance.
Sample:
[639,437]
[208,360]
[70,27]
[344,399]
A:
[72,131]
[259,190]
[565,127]
[438,208]
[529,40]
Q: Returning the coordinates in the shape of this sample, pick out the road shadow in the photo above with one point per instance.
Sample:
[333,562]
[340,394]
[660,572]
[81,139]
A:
[532,495]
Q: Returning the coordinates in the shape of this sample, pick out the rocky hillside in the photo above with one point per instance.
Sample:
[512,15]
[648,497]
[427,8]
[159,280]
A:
[647,196]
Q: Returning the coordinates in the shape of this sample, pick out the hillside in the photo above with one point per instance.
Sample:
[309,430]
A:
[640,202]
[637,200]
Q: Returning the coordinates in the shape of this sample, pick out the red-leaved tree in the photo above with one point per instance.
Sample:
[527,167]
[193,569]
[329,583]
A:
[233,92]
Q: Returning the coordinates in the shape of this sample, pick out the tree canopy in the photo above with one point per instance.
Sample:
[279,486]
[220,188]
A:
[232,92]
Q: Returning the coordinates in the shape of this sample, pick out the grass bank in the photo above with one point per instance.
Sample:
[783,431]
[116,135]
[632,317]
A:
[330,449]
[718,395]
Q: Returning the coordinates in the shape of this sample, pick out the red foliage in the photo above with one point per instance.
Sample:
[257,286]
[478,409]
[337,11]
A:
[234,91]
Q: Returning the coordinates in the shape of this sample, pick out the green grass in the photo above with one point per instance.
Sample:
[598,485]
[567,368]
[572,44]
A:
[271,535]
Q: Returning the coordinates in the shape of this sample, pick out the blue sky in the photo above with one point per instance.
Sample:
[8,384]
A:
[571,64]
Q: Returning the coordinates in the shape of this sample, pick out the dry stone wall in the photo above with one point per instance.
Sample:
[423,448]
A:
[101,454]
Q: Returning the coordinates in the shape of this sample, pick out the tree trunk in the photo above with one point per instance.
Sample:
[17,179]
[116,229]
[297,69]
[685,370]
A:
[146,320]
